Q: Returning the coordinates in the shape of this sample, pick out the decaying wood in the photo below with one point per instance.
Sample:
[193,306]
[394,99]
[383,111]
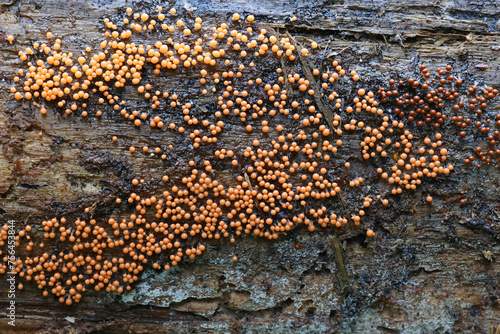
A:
[433,268]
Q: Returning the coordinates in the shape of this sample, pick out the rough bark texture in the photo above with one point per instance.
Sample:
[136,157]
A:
[433,268]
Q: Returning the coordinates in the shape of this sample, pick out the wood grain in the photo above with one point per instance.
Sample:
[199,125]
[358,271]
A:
[433,268]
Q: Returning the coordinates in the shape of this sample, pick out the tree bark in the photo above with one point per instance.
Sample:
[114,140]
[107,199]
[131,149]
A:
[432,268]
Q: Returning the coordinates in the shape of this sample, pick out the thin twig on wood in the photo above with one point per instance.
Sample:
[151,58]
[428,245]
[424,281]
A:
[341,270]
[289,89]
[307,66]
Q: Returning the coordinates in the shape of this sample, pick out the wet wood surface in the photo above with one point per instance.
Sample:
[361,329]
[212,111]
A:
[433,268]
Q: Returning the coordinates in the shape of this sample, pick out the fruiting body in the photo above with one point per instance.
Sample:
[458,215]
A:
[290,173]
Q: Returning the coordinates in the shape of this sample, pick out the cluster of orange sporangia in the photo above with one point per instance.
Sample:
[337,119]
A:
[286,172]
[442,94]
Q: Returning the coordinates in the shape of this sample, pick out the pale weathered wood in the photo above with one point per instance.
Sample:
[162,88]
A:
[431,269]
